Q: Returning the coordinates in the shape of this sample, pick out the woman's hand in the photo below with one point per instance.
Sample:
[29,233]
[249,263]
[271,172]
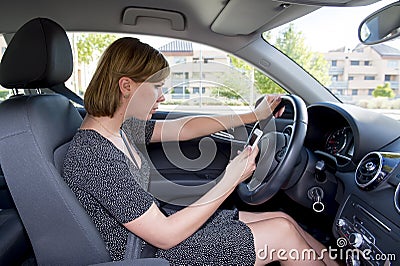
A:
[242,166]
[267,106]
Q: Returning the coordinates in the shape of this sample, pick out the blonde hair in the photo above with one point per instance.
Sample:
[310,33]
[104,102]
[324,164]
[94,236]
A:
[126,57]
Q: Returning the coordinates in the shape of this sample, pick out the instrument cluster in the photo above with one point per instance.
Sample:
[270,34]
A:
[340,143]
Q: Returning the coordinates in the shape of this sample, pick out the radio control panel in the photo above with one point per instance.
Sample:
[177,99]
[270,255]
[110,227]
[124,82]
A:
[364,230]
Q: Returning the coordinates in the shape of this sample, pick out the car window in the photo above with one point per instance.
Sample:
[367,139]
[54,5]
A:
[4,93]
[325,44]
[203,79]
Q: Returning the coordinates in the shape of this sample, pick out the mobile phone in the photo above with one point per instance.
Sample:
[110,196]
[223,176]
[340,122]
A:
[254,138]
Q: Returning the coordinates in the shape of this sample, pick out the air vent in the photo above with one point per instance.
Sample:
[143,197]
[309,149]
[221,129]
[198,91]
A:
[397,198]
[375,168]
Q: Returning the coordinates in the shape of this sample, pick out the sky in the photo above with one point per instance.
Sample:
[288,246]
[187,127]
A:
[333,27]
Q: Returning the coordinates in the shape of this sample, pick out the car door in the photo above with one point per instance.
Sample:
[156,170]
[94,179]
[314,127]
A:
[182,172]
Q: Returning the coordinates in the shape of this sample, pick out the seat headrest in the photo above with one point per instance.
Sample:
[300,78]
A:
[38,56]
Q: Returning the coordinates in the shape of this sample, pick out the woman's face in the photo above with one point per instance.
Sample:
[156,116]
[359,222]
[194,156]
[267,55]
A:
[145,100]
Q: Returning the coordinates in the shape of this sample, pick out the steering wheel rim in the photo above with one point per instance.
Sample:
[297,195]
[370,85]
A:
[271,183]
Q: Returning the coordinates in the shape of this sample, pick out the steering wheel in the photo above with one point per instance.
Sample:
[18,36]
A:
[279,153]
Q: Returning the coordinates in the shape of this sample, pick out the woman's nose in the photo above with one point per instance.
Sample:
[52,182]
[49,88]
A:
[161,98]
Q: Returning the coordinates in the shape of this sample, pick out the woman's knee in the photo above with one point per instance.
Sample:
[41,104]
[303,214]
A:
[286,216]
[284,225]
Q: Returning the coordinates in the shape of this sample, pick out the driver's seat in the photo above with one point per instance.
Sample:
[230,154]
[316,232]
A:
[35,131]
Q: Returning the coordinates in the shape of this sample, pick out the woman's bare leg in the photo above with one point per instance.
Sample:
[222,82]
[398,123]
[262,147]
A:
[250,217]
[278,239]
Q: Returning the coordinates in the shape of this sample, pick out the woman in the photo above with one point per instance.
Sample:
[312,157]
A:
[110,176]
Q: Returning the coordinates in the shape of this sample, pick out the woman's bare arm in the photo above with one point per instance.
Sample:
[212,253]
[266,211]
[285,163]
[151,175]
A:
[196,126]
[166,232]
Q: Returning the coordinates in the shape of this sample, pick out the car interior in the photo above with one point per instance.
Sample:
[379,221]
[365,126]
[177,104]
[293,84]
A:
[334,167]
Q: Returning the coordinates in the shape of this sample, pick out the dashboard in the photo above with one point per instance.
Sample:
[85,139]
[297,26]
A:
[361,149]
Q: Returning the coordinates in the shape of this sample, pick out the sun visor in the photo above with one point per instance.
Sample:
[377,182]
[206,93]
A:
[234,18]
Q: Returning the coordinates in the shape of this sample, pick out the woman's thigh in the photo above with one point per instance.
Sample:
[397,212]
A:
[251,217]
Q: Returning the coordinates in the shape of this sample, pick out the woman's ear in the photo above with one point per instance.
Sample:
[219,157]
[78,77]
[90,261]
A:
[126,86]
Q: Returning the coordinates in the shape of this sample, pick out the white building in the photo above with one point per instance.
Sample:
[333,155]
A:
[197,71]
[356,73]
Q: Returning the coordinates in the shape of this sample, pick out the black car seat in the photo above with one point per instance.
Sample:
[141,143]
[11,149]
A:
[35,131]
[14,243]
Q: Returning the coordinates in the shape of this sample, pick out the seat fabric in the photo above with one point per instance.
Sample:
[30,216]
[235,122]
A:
[14,248]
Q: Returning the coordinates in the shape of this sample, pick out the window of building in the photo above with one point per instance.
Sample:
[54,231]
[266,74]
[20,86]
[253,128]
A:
[196,90]
[369,77]
[392,63]
[178,90]
[180,75]
[351,77]
[335,78]
[334,63]
[208,59]
[388,77]
[177,75]
[179,60]
[367,63]
[370,91]
[354,92]
[354,62]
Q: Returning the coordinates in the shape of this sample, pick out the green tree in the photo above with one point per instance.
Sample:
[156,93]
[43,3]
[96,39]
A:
[235,81]
[383,91]
[292,43]
[266,85]
[91,46]
[226,92]
[262,83]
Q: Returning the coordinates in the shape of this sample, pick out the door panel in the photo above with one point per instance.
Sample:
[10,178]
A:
[183,171]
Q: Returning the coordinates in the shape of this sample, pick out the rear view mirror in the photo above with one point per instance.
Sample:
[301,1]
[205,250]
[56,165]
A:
[380,26]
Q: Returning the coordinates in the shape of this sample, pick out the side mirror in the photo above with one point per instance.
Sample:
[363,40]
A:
[380,26]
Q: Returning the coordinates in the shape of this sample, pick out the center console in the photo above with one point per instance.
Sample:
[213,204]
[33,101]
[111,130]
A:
[367,224]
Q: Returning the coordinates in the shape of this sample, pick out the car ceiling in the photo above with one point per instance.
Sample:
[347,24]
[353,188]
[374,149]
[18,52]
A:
[195,20]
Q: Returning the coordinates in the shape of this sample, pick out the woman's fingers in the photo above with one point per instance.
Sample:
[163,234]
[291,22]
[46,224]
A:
[280,112]
[273,101]
[267,106]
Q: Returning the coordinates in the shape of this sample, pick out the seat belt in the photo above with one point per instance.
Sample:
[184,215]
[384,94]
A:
[63,90]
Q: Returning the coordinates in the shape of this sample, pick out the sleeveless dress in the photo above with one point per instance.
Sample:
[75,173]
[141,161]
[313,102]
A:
[113,191]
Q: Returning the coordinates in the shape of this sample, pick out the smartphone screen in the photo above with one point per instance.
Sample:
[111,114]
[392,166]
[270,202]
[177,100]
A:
[254,138]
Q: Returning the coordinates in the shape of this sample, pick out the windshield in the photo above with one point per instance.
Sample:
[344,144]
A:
[325,44]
